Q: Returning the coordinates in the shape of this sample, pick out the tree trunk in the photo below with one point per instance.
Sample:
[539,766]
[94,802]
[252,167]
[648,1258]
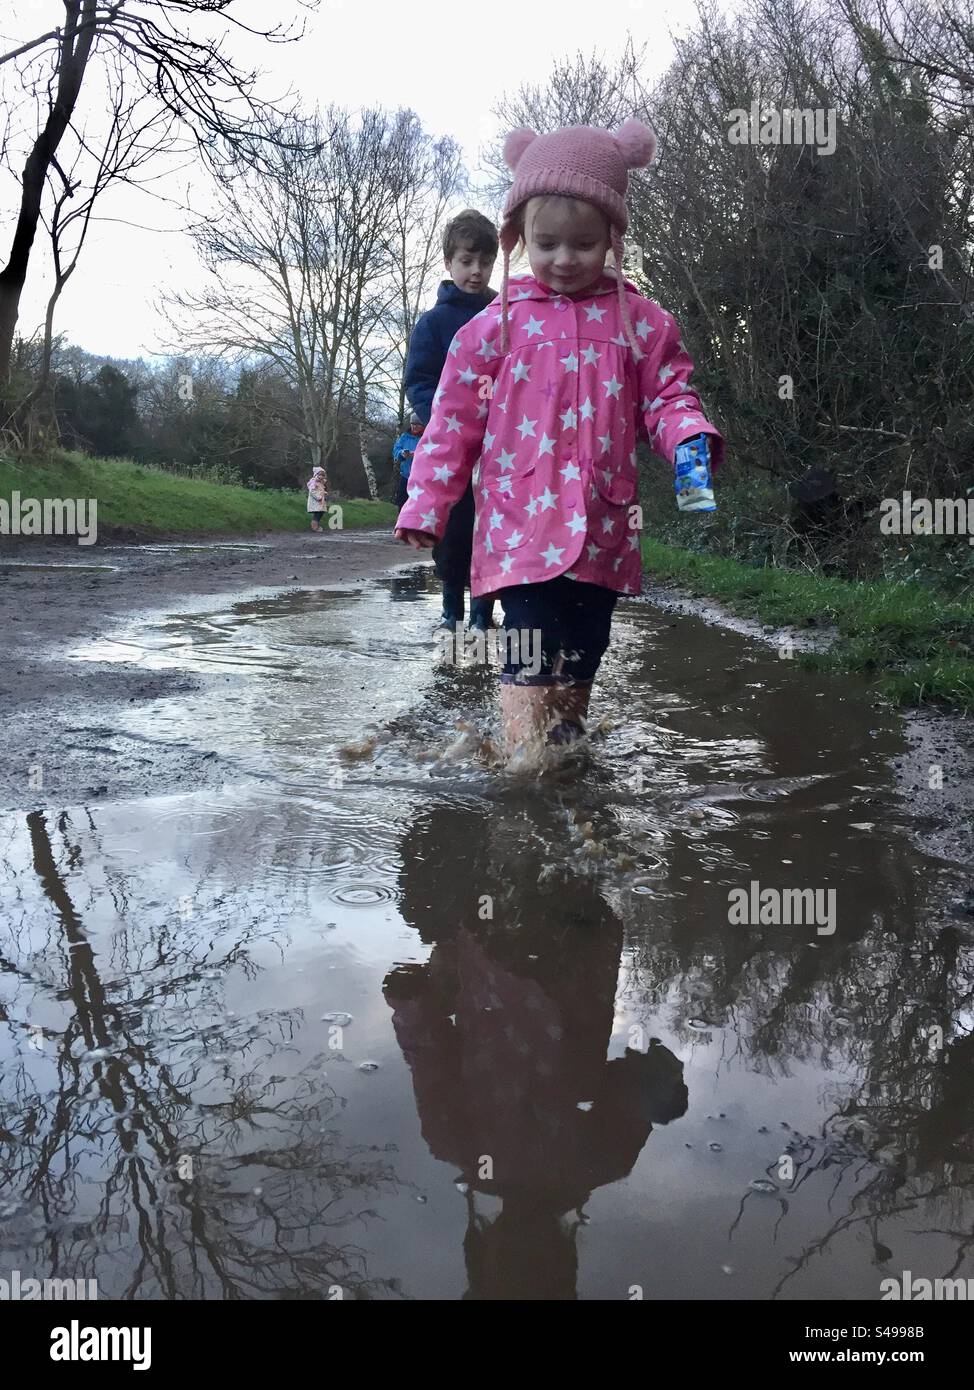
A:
[71,68]
[367,464]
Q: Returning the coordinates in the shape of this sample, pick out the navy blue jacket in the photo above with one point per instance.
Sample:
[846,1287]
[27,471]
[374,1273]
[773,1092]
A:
[431,338]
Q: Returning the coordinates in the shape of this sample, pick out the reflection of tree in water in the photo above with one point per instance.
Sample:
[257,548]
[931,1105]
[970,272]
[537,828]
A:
[867,1003]
[506,1030]
[136,1092]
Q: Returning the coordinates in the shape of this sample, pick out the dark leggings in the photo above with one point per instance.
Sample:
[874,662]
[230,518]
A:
[574,620]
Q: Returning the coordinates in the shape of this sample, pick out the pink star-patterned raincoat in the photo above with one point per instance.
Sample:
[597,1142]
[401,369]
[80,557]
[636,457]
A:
[549,430]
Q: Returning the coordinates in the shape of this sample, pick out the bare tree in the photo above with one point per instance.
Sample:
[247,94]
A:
[317,257]
[134,136]
[189,79]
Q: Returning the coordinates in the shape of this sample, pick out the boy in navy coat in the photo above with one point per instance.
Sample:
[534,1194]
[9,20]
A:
[469,252]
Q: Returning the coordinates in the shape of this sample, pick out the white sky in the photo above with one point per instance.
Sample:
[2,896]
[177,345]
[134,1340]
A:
[449,61]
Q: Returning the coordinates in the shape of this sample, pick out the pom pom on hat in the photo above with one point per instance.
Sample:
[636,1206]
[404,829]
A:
[637,141]
[515,145]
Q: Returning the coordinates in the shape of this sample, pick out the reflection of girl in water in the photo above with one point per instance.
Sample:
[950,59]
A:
[505,1030]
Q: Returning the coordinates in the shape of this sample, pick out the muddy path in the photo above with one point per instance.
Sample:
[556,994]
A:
[298,989]
[59,715]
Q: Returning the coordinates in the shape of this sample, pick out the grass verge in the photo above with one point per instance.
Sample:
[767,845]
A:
[917,644]
[136,500]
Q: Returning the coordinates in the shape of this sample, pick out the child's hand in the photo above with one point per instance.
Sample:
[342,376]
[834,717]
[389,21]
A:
[419,540]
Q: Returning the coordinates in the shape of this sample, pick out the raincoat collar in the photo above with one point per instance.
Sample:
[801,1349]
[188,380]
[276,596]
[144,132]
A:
[527,287]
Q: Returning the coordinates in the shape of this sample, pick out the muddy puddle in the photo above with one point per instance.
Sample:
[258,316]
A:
[37,568]
[403,1024]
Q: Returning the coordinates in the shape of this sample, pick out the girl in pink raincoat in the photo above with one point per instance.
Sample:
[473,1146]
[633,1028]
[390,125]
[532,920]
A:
[542,399]
[317,497]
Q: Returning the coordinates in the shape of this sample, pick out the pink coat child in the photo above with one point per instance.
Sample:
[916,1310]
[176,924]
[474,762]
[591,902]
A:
[549,432]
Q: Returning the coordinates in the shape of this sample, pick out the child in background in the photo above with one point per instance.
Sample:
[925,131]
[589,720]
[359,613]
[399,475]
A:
[579,365]
[317,497]
[469,252]
[403,452]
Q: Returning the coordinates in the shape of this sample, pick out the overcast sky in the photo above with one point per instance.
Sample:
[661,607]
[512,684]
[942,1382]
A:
[449,62]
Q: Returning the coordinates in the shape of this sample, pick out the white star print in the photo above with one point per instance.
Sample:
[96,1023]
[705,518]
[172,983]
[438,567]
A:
[548,500]
[415,491]
[429,446]
[620,341]
[608,523]
[505,485]
[569,472]
[592,551]
[452,425]
[605,440]
[689,420]
[486,350]
[607,475]
[428,520]
[665,372]
[656,403]
[643,330]
[515,538]
[612,386]
[531,507]
[523,294]
[660,427]
[552,556]
[506,564]
[586,410]
[634,541]
[590,356]
[546,446]
[522,371]
[568,419]
[526,426]
[534,326]
[488,440]
[488,545]
[594,312]
[443,474]
[482,411]
[576,524]
[496,520]
[506,460]
[467,376]
[454,348]
[570,363]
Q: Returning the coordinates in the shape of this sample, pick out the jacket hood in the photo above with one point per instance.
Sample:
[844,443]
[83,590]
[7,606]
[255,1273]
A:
[449,293]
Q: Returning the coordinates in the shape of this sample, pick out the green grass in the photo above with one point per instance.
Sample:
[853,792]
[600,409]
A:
[146,501]
[917,644]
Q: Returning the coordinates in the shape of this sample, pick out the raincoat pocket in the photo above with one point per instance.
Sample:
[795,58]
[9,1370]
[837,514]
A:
[615,494]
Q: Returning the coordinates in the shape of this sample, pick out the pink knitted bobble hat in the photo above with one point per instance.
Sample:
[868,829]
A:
[578,161]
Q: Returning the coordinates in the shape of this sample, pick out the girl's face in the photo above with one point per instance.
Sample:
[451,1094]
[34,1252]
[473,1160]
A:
[567,241]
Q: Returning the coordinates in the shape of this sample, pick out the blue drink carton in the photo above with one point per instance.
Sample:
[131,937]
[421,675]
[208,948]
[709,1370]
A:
[694,486]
